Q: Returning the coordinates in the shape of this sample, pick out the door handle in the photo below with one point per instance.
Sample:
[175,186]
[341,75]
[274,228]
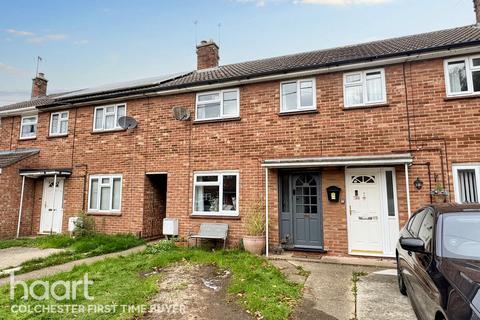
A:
[350,208]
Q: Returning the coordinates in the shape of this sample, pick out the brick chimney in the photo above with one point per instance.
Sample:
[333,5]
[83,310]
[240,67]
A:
[39,86]
[207,55]
[476,6]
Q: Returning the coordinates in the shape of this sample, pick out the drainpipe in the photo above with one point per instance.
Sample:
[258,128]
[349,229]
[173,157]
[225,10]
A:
[53,209]
[407,187]
[266,212]
[21,206]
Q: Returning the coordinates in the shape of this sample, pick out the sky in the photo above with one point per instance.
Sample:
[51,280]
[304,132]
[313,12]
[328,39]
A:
[88,43]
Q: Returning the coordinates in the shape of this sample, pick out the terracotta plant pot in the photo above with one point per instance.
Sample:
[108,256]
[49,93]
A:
[254,244]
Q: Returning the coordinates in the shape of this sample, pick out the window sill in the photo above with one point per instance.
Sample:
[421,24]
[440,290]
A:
[297,112]
[217,120]
[370,106]
[110,214]
[107,131]
[57,136]
[461,97]
[211,216]
[25,139]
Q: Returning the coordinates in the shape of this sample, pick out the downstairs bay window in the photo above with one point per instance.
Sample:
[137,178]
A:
[216,193]
[105,194]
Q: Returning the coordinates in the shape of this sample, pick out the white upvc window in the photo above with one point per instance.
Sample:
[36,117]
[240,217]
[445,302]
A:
[217,105]
[462,76]
[59,123]
[105,193]
[216,193]
[466,179]
[297,95]
[28,127]
[106,117]
[364,88]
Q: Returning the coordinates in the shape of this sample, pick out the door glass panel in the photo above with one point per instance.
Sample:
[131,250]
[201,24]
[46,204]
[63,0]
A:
[285,193]
[306,194]
[390,194]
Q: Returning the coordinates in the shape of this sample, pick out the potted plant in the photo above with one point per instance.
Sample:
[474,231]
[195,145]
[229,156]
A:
[439,194]
[254,241]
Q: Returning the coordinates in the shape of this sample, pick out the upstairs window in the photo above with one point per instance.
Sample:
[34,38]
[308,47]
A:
[28,127]
[217,105]
[462,76]
[297,95]
[106,117]
[364,88]
[59,123]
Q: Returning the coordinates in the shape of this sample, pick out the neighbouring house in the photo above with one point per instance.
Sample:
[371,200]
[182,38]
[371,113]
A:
[342,145]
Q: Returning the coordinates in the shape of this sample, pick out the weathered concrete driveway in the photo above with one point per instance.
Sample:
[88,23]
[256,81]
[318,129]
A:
[15,256]
[328,292]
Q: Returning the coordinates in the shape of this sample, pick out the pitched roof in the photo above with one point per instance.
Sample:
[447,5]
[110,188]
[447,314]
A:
[34,102]
[10,157]
[466,36]
[382,49]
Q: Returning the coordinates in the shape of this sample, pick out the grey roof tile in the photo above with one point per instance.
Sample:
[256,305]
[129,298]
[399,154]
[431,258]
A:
[10,157]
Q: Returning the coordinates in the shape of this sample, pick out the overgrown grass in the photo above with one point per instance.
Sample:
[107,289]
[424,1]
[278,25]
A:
[75,248]
[255,284]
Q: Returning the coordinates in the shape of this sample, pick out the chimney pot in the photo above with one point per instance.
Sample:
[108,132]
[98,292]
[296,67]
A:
[207,55]
[476,6]
[39,85]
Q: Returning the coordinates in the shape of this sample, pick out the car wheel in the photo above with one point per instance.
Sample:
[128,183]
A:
[401,282]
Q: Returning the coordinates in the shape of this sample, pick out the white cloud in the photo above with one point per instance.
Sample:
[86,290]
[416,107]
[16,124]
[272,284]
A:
[261,3]
[46,38]
[5,68]
[80,42]
[342,2]
[20,33]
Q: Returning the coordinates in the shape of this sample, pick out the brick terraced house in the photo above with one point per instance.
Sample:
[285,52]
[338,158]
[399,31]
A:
[390,125]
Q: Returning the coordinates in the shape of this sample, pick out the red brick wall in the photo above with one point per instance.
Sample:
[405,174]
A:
[180,148]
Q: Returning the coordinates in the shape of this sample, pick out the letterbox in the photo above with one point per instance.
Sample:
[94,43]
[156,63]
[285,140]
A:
[333,193]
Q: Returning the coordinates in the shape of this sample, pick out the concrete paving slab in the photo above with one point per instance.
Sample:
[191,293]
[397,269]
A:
[15,256]
[354,261]
[378,298]
[328,291]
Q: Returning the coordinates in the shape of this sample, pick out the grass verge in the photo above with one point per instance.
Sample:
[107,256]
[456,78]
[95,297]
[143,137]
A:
[256,285]
[75,248]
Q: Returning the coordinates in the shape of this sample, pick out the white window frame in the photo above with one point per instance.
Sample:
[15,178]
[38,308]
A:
[456,184]
[469,68]
[116,126]
[56,134]
[299,107]
[99,177]
[218,183]
[220,94]
[363,82]
[22,124]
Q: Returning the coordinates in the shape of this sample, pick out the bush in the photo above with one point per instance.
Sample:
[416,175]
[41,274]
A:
[160,246]
[84,226]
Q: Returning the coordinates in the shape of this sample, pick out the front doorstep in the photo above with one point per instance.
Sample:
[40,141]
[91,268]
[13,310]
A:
[304,249]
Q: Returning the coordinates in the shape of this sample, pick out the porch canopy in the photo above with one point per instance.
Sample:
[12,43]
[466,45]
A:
[405,159]
[34,174]
[389,159]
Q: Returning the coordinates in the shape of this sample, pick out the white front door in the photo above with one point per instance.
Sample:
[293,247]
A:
[52,206]
[372,211]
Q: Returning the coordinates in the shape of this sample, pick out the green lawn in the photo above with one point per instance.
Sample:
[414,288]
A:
[255,285]
[76,248]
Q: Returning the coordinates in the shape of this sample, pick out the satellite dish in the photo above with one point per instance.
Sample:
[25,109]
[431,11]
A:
[181,113]
[127,122]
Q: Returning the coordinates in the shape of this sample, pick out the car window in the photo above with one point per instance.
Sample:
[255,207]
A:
[426,230]
[416,222]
